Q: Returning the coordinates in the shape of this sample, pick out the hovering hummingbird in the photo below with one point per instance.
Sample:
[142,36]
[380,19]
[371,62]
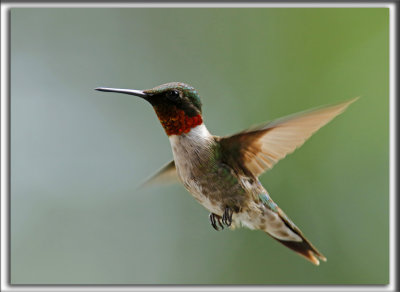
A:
[222,172]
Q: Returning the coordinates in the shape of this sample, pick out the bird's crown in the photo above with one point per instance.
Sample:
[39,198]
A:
[178,93]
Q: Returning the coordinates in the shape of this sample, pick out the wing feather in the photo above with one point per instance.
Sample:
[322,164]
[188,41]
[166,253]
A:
[258,149]
[167,174]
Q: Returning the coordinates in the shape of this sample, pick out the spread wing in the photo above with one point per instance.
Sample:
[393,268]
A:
[167,174]
[258,149]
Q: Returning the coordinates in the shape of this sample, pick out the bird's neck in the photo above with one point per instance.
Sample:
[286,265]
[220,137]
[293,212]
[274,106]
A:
[197,137]
[175,121]
[196,145]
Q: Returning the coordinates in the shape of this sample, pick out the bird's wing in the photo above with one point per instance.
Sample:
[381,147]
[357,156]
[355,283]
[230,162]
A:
[258,149]
[167,174]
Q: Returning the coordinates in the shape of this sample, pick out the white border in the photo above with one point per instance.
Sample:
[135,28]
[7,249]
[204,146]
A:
[393,138]
[5,151]
[199,5]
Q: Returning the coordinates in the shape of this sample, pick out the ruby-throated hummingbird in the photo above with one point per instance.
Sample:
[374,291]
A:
[222,172]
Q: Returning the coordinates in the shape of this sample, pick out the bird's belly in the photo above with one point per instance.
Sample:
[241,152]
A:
[211,182]
[203,196]
[216,192]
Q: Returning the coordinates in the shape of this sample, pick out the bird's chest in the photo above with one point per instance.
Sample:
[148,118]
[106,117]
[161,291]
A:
[211,182]
[193,161]
[197,178]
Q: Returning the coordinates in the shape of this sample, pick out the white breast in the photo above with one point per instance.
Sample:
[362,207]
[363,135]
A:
[191,149]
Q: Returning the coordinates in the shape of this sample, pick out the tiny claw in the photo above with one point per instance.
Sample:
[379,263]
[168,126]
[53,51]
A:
[214,222]
[219,222]
[227,216]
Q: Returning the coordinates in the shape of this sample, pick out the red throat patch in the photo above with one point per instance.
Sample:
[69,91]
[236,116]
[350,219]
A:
[175,121]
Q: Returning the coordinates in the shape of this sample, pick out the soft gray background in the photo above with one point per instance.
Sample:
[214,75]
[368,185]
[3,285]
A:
[78,156]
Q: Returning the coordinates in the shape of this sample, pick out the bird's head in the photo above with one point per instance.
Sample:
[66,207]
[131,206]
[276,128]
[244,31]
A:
[176,104]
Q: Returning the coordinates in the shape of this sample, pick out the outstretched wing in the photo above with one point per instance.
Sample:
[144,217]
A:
[258,149]
[167,174]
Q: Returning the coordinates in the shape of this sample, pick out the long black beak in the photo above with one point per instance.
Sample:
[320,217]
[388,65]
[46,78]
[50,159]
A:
[139,93]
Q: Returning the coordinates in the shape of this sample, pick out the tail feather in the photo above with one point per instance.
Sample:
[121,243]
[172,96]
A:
[303,247]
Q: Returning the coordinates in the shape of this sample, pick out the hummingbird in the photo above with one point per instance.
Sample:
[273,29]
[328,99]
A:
[222,173]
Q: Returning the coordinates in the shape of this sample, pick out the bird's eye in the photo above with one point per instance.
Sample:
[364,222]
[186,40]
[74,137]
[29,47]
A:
[173,94]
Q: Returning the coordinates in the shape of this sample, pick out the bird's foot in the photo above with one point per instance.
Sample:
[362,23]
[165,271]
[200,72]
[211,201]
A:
[227,216]
[214,218]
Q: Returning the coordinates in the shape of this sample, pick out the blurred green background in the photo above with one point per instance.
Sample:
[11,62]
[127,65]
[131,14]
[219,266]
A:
[78,156]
